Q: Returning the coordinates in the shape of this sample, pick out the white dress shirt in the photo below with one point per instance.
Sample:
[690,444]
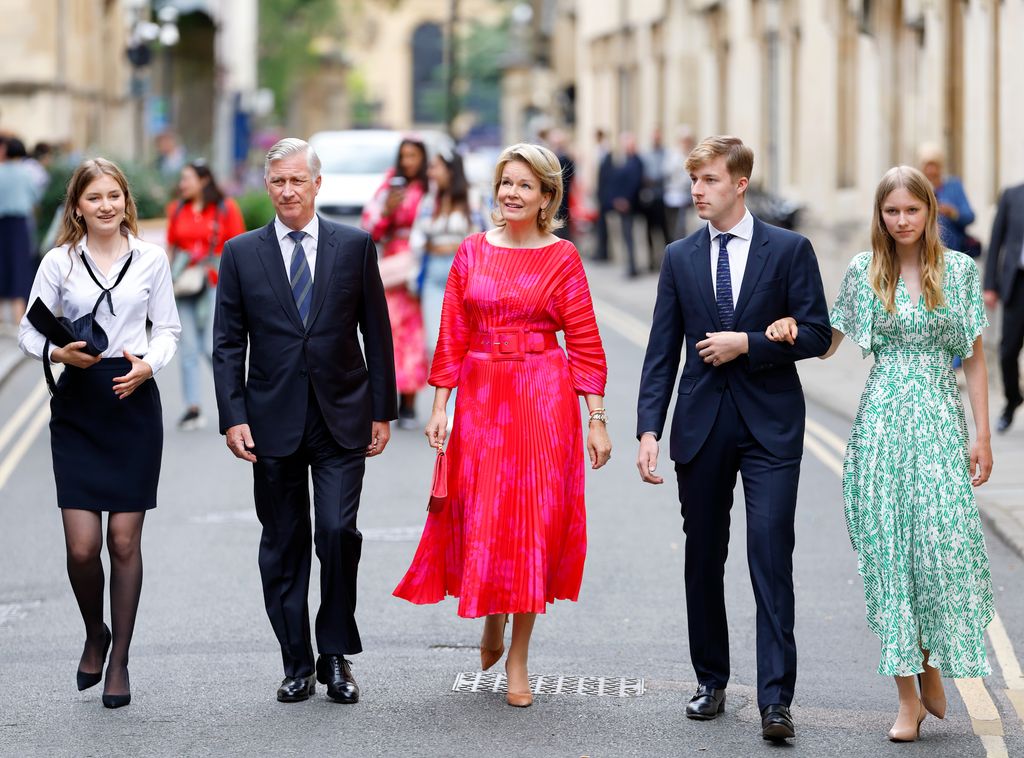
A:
[738,247]
[66,288]
[312,230]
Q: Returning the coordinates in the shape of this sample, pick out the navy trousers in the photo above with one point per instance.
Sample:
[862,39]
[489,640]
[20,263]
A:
[706,486]
[282,505]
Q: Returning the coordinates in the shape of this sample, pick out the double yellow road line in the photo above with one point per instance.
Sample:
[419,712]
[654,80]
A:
[21,430]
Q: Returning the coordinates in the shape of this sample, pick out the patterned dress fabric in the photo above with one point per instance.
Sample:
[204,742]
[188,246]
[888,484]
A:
[513,535]
[910,507]
[391,232]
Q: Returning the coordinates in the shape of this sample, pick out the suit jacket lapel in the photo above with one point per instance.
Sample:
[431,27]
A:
[700,258]
[756,258]
[326,257]
[269,252]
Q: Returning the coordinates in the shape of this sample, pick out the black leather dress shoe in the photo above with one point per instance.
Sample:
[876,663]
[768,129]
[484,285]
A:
[777,723]
[336,673]
[706,703]
[1006,417]
[295,689]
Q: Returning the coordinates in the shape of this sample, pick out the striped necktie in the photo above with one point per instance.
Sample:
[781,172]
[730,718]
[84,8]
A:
[723,283]
[301,279]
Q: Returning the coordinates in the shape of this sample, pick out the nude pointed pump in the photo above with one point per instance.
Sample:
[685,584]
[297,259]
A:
[911,733]
[934,706]
[489,657]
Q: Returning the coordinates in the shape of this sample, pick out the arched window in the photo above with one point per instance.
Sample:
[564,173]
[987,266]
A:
[427,74]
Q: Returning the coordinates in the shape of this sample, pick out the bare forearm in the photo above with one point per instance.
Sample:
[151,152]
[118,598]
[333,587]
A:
[976,374]
[441,395]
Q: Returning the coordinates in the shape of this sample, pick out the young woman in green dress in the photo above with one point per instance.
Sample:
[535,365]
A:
[910,465]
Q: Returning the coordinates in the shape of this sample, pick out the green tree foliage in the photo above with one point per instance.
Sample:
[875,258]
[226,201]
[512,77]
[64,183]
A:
[288,33]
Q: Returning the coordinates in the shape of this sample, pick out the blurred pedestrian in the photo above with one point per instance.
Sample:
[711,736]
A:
[512,536]
[389,218]
[297,394]
[618,189]
[170,156]
[38,166]
[106,427]
[557,143]
[198,225]
[677,184]
[1004,281]
[447,216]
[652,199]
[955,213]
[18,197]
[738,409]
[910,468]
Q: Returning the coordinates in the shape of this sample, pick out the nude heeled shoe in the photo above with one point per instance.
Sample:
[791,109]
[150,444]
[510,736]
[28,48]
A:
[911,733]
[489,657]
[934,706]
[518,699]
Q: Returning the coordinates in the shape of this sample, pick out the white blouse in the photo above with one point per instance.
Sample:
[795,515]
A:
[66,288]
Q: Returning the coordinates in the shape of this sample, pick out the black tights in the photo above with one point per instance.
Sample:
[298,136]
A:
[83,535]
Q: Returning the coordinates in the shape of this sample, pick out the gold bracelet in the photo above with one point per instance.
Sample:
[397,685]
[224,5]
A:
[599,414]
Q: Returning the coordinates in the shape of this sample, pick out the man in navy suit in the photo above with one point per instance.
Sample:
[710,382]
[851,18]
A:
[739,408]
[292,297]
[1004,281]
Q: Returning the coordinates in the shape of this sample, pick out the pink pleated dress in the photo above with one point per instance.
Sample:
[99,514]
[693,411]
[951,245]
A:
[513,536]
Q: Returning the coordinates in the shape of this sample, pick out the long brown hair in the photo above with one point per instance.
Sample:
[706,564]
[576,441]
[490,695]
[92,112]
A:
[884,271]
[72,226]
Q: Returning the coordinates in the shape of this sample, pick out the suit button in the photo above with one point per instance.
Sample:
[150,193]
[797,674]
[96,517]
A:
[303,373]
[306,338]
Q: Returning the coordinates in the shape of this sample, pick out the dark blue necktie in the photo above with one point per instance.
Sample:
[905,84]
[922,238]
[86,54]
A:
[301,279]
[723,283]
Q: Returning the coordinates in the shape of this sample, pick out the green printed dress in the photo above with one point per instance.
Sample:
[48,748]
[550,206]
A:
[910,507]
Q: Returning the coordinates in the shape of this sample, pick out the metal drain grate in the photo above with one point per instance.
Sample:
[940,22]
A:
[603,686]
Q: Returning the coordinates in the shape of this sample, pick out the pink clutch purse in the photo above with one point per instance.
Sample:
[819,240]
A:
[439,486]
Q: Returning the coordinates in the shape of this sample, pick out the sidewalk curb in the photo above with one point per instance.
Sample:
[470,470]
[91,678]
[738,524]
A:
[1006,527]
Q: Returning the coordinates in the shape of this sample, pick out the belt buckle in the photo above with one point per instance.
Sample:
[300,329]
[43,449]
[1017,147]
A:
[510,343]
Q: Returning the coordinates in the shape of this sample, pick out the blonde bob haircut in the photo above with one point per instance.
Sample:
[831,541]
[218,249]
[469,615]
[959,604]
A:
[739,159]
[545,166]
[72,226]
[884,272]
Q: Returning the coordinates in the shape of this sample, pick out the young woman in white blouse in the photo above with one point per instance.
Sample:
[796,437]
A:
[106,430]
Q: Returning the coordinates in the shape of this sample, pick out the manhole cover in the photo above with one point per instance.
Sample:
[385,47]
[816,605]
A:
[540,684]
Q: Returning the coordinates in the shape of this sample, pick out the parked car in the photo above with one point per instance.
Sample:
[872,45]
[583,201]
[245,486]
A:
[354,162]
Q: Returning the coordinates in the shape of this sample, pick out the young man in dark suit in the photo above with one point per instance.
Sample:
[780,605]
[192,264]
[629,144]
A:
[1004,281]
[739,409]
[291,298]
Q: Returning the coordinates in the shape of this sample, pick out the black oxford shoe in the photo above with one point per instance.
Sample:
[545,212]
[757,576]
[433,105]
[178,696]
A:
[295,689]
[706,703]
[336,673]
[777,723]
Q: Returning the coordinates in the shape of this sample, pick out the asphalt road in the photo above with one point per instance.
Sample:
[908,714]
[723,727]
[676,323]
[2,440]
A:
[205,664]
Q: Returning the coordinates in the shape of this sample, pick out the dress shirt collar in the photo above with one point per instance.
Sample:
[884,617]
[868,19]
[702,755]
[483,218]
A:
[282,231]
[83,245]
[744,229]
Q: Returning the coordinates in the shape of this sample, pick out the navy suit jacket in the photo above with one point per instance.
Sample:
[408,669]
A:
[781,279]
[1005,244]
[256,314]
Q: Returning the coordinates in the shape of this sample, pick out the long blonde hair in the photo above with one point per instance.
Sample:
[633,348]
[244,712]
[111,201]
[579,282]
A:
[884,272]
[72,226]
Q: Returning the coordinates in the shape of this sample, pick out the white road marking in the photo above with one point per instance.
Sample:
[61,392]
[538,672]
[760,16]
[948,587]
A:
[19,416]
[24,442]
[626,324]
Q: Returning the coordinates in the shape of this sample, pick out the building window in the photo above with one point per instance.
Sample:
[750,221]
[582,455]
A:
[428,74]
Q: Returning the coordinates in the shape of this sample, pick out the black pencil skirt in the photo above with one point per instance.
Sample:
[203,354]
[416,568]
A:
[106,451]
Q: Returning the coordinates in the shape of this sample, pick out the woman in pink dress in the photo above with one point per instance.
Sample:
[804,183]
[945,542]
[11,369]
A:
[512,537]
[389,218]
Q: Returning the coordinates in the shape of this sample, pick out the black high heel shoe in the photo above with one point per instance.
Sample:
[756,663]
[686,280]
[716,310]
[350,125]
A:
[87,680]
[118,701]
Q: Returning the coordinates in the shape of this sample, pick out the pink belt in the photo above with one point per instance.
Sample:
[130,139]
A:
[512,343]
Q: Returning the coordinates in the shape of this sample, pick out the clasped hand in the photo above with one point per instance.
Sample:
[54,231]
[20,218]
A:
[783,330]
[722,347]
[73,355]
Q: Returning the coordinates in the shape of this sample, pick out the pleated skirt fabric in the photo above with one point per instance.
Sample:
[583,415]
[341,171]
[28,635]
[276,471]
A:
[106,451]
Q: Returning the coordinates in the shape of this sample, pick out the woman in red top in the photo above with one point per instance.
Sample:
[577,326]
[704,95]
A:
[512,537]
[198,225]
[389,219]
